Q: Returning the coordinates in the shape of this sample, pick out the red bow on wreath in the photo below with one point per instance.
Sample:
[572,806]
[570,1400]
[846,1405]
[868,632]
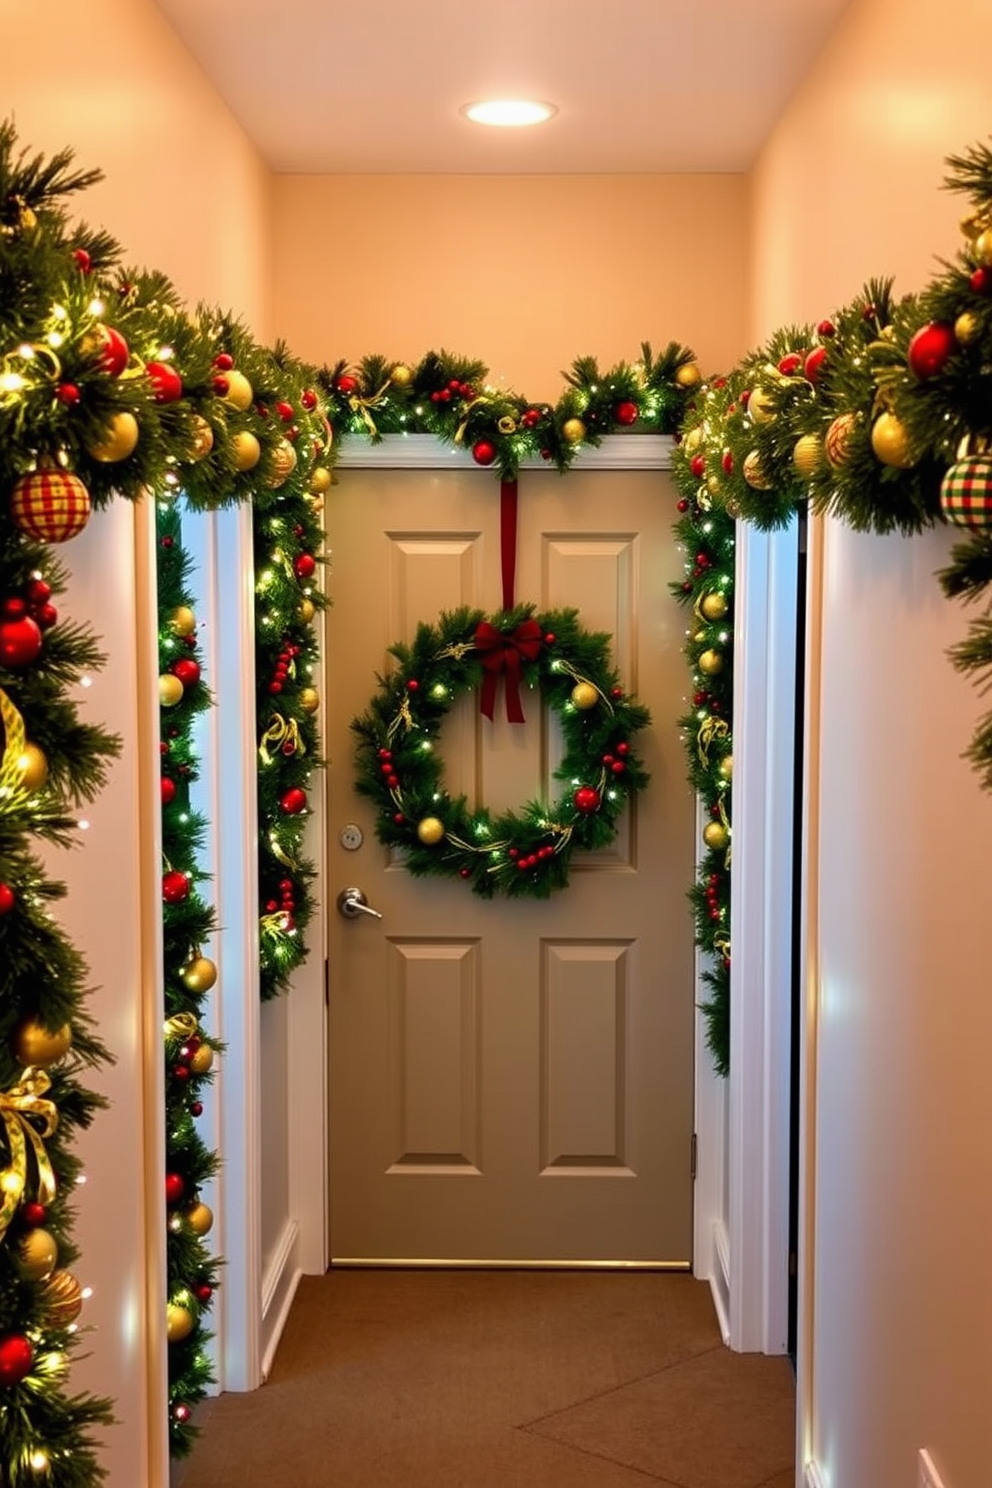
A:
[505,651]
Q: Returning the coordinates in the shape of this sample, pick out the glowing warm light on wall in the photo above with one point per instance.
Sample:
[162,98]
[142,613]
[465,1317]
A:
[509,113]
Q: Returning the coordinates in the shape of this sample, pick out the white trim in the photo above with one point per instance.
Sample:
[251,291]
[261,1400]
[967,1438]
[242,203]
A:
[279,1285]
[719,1277]
[812,1477]
[761,928]
[425,452]
[221,545]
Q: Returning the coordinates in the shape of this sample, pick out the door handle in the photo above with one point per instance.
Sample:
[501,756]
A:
[352,903]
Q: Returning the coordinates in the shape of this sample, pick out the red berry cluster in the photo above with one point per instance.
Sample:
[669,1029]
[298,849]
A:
[531,860]
[388,769]
[530,418]
[284,669]
[702,564]
[24,619]
[455,389]
[615,762]
[713,895]
[181,1070]
[703,699]
[285,904]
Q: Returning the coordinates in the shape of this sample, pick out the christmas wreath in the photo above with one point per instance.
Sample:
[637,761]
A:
[522,853]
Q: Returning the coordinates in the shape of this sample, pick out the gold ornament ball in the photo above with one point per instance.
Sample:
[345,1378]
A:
[761,406]
[687,376]
[32,766]
[430,830]
[726,767]
[200,974]
[401,376]
[320,480]
[283,463]
[715,835]
[37,1255]
[306,609]
[967,328]
[714,606]
[170,690]
[182,621]
[245,450]
[837,441]
[201,1060]
[119,440]
[710,663]
[178,1323]
[239,390]
[807,455]
[983,248]
[203,438]
[699,637]
[754,472]
[61,1299]
[200,1218]
[573,430]
[34,1044]
[890,441]
[693,439]
[713,485]
[309,699]
[584,695]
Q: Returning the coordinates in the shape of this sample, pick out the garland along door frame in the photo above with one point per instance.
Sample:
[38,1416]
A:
[510,1081]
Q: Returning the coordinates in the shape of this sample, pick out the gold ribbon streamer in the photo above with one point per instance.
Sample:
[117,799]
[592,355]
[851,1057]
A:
[17,1105]
[11,769]
[362,406]
[710,729]
[278,853]
[181,1026]
[722,945]
[475,403]
[404,717]
[279,730]
[274,925]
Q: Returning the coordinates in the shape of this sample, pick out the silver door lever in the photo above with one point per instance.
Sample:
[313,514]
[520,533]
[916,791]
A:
[352,903]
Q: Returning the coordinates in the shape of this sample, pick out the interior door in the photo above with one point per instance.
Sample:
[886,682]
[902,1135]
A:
[510,1081]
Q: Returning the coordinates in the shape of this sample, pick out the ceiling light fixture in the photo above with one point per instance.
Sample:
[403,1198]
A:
[509,112]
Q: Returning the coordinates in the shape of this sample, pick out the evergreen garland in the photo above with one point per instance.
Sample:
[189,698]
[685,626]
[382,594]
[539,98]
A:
[188,925]
[520,854]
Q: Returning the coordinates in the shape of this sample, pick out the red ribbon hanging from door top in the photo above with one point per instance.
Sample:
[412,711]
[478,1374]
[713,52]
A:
[508,538]
[503,652]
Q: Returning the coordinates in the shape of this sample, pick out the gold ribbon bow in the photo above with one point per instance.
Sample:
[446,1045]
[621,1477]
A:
[181,1026]
[11,767]
[276,735]
[362,406]
[272,926]
[710,729]
[479,402]
[17,1105]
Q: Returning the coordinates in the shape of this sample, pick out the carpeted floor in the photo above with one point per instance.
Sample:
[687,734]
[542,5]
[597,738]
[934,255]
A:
[503,1379]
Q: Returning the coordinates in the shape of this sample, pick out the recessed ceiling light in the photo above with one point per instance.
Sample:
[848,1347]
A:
[509,112]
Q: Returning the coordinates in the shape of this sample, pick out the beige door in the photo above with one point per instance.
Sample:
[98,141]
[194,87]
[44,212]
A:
[510,1081]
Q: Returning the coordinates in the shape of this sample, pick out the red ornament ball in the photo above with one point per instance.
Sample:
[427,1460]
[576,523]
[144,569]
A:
[68,394]
[698,465]
[114,352]
[981,280]
[304,565]
[930,349]
[168,788]
[181,1413]
[483,452]
[285,411]
[814,362]
[346,385]
[50,505]
[203,1292]
[165,381]
[826,328]
[293,801]
[196,1108]
[309,399]
[33,1214]
[187,670]
[175,1187]
[586,800]
[82,260]
[727,462]
[20,641]
[682,505]
[627,413]
[790,363]
[223,361]
[175,886]
[7,898]
[16,1358]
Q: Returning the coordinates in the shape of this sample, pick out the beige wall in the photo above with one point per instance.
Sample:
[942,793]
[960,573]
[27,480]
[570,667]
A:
[524,272]
[184,193]
[899,1166]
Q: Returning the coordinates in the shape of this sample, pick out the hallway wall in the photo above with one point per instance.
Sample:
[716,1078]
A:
[184,193]
[525,272]
[896,1353]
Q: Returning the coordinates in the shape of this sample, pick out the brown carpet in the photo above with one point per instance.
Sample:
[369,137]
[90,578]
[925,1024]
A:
[503,1379]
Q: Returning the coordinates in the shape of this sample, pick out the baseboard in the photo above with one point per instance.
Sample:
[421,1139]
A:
[720,1278]
[279,1285]
[812,1477]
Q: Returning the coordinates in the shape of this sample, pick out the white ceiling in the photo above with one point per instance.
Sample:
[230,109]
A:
[376,85]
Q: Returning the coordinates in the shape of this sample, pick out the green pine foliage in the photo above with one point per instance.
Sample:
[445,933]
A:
[188,925]
[525,853]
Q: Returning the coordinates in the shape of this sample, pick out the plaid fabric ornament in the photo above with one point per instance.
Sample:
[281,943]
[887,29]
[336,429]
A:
[966,492]
[50,505]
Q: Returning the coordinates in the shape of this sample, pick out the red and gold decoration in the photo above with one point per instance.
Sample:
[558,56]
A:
[519,854]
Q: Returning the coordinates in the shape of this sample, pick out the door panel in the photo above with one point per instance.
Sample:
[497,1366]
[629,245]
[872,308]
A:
[511,1081]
